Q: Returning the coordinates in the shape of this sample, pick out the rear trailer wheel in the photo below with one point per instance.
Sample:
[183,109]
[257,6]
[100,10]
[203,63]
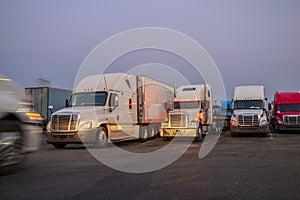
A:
[59,146]
[12,146]
[101,138]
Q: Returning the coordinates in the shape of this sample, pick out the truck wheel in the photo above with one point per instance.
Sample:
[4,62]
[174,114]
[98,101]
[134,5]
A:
[59,146]
[277,130]
[101,138]
[12,146]
[166,138]
[143,131]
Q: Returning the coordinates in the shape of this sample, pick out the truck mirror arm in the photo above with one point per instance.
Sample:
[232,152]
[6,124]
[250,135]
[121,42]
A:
[112,108]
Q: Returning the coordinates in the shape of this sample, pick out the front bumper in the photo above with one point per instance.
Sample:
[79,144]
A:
[86,136]
[181,132]
[249,129]
[282,127]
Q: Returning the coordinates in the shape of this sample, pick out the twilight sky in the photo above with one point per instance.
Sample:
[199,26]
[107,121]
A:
[251,42]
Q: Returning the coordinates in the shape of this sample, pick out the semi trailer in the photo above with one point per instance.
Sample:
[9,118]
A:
[46,100]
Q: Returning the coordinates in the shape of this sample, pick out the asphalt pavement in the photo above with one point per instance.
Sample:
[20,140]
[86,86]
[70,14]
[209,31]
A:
[243,167]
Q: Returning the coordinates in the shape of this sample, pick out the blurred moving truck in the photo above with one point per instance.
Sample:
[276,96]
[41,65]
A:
[47,100]
[19,130]
[190,114]
[249,111]
[116,106]
[285,114]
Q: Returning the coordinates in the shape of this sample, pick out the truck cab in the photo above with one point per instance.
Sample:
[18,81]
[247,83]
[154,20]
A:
[191,113]
[286,111]
[249,113]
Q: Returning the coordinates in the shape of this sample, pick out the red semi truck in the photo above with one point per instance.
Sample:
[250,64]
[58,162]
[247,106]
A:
[286,111]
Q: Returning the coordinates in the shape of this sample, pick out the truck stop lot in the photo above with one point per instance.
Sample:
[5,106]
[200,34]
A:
[242,167]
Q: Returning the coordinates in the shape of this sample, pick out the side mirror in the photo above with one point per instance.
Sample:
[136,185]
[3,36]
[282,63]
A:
[204,105]
[50,107]
[269,106]
[67,103]
[169,105]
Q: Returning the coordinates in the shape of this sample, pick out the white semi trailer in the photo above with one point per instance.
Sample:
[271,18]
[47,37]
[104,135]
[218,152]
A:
[115,107]
[249,110]
[191,112]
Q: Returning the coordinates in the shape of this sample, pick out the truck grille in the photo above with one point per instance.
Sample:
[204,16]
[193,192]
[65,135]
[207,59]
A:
[178,120]
[291,120]
[248,120]
[64,122]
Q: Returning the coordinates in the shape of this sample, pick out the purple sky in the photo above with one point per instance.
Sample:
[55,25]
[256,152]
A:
[252,42]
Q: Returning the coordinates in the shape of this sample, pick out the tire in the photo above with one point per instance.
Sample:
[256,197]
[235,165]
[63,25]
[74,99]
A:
[166,138]
[143,132]
[14,137]
[101,138]
[59,145]
[277,130]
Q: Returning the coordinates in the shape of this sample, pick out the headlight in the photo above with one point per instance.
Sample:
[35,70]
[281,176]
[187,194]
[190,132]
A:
[164,124]
[233,120]
[280,122]
[263,121]
[86,125]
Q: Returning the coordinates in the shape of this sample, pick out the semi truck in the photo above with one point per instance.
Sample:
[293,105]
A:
[110,107]
[249,113]
[190,114]
[46,100]
[285,112]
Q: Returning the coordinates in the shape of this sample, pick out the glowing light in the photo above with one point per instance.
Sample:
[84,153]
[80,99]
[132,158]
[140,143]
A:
[34,116]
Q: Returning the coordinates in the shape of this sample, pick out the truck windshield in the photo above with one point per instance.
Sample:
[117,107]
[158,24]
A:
[88,99]
[288,107]
[248,104]
[186,104]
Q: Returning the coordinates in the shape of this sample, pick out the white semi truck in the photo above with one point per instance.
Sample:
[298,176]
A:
[191,112]
[249,110]
[111,107]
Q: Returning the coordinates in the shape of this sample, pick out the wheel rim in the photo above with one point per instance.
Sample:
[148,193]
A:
[102,137]
[14,151]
